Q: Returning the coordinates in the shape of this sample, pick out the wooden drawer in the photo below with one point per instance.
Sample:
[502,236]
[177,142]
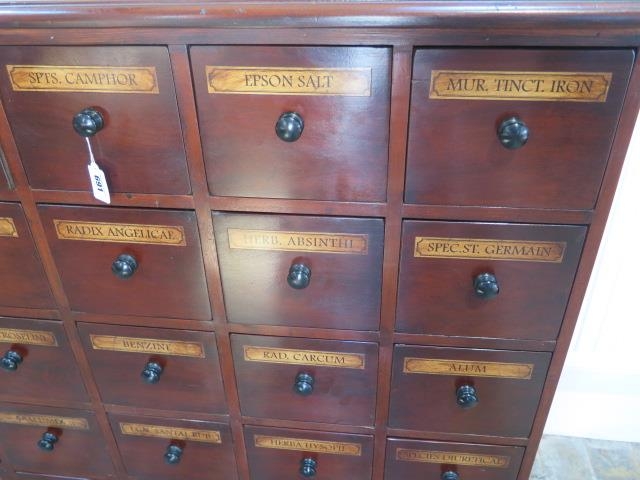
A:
[43,88]
[90,244]
[38,362]
[450,271]
[49,476]
[340,257]
[340,97]
[46,439]
[569,100]
[155,368]
[412,459]
[466,391]
[21,274]
[306,380]
[279,453]
[161,448]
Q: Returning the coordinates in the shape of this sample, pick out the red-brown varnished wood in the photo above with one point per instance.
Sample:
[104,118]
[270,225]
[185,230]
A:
[140,147]
[458,159]
[342,153]
[343,376]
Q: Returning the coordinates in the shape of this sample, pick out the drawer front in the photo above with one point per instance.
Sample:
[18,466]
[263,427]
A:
[486,280]
[306,380]
[340,101]
[569,102]
[303,271]
[139,262]
[131,88]
[279,453]
[46,439]
[23,280]
[37,361]
[154,367]
[409,459]
[161,448]
[466,391]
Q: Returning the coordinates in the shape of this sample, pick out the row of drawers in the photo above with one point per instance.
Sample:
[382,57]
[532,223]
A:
[313,123]
[67,442]
[468,391]
[456,278]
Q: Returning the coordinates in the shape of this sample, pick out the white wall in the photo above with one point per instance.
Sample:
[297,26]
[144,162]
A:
[599,391]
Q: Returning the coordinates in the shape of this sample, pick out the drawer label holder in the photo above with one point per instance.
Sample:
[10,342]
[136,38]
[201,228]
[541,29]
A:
[488,249]
[304,357]
[147,345]
[28,337]
[8,227]
[344,243]
[171,433]
[37,420]
[99,79]
[523,86]
[120,233]
[354,82]
[437,366]
[452,458]
[307,445]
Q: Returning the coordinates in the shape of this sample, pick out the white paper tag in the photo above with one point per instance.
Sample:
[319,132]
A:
[99,183]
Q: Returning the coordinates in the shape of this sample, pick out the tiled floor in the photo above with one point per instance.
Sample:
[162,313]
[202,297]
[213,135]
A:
[570,458]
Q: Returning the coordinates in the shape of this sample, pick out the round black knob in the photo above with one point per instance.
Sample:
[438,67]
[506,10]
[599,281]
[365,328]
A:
[450,475]
[173,454]
[124,266]
[513,133]
[466,396]
[88,122]
[151,372]
[308,467]
[486,285]
[299,276]
[304,384]
[11,360]
[289,127]
[47,441]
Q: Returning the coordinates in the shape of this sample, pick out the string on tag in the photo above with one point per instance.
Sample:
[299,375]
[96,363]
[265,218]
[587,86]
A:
[97,178]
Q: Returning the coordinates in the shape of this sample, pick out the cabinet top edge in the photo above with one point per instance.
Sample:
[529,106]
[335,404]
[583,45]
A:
[556,15]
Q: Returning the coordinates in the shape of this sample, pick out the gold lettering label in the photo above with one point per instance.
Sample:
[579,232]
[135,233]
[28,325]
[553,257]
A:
[355,244]
[305,445]
[8,228]
[120,233]
[354,82]
[147,345]
[100,79]
[28,337]
[187,434]
[304,357]
[36,420]
[465,248]
[452,458]
[435,366]
[530,86]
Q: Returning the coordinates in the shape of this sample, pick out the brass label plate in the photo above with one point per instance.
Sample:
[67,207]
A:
[306,445]
[120,233]
[304,357]
[100,79]
[147,345]
[436,366]
[28,337]
[344,243]
[353,82]
[8,227]
[175,433]
[36,420]
[488,249]
[452,458]
[526,86]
